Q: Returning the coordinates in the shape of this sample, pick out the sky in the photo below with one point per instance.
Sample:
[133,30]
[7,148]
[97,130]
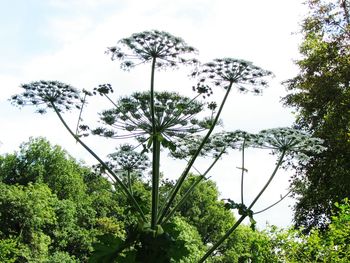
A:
[66,40]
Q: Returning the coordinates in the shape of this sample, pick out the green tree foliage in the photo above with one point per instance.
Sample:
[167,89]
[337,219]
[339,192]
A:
[186,238]
[25,212]
[331,245]
[321,95]
[51,206]
[39,162]
[204,210]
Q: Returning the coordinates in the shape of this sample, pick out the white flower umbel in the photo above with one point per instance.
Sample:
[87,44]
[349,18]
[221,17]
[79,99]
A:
[293,142]
[166,49]
[44,94]
[225,72]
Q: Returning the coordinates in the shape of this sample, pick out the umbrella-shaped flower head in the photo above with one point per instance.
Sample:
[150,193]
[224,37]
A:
[228,71]
[290,141]
[166,49]
[45,94]
[216,144]
[175,116]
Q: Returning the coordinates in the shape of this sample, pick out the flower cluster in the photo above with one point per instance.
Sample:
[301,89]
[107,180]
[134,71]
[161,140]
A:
[291,141]
[228,71]
[128,159]
[166,49]
[103,89]
[202,89]
[175,116]
[48,93]
[217,143]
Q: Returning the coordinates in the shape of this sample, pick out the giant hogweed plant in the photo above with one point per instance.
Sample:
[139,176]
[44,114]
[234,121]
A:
[167,120]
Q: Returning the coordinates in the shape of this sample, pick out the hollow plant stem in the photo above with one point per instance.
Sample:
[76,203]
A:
[239,221]
[155,154]
[104,165]
[155,182]
[184,174]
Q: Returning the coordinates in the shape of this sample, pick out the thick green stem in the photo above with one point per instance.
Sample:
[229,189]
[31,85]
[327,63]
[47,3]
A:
[155,154]
[152,97]
[180,181]
[190,190]
[104,165]
[155,183]
[239,221]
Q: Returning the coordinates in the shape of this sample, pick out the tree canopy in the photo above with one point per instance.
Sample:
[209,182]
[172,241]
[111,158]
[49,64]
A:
[321,95]
[52,207]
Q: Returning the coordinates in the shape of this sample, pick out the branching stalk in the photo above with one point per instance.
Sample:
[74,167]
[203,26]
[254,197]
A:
[270,206]
[190,190]
[268,181]
[184,174]
[104,165]
[80,114]
[239,221]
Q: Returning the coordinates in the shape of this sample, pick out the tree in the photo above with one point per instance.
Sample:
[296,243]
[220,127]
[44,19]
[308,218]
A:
[52,207]
[331,245]
[39,162]
[167,120]
[321,95]
[204,210]
[25,212]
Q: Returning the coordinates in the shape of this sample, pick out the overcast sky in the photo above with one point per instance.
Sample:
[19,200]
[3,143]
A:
[66,39]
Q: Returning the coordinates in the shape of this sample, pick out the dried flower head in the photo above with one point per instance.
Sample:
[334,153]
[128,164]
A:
[228,71]
[45,94]
[166,49]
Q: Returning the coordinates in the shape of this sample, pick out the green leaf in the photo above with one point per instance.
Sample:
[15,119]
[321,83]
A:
[105,249]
